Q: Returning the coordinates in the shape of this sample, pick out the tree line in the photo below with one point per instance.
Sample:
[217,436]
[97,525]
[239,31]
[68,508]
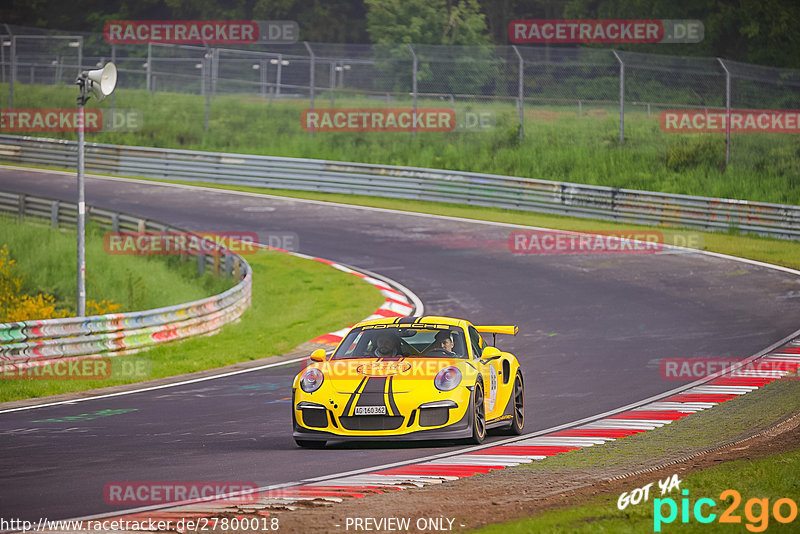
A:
[765,32]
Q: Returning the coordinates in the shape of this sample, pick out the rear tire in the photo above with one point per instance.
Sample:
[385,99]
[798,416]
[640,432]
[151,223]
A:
[518,398]
[478,416]
[310,443]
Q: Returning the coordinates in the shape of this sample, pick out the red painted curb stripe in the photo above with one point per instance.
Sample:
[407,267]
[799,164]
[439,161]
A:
[701,397]
[388,313]
[672,416]
[327,339]
[519,450]
[742,381]
[447,470]
[600,432]
[395,301]
[345,489]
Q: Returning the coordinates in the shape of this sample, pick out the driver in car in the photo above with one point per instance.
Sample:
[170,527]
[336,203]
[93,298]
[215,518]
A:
[386,346]
[443,343]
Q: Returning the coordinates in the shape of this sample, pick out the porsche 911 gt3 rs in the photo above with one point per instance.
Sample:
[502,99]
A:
[416,378]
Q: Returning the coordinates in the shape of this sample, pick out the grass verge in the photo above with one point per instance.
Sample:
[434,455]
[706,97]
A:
[47,260]
[772,477]
[293,300]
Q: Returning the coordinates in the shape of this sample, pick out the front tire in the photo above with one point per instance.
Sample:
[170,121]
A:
[478,416]
[518,421]
[310,443]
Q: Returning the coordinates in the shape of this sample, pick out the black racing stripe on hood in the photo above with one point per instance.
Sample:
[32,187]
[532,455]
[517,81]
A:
[353,396]
[390,394]
[372,394]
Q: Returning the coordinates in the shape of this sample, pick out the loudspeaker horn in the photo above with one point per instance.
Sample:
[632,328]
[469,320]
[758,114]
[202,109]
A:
[103,81]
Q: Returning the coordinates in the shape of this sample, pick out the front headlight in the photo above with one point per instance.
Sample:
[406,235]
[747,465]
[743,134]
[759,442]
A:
[311,380]
[447,379]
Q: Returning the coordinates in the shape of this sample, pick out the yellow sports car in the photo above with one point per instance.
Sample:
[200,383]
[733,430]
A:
[416,378]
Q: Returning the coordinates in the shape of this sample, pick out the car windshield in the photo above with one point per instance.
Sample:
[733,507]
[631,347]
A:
[398,341]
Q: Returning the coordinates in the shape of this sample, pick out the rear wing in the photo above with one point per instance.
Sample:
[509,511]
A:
[510,330]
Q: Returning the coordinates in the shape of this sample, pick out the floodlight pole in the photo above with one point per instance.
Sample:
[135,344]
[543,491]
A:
[82,82]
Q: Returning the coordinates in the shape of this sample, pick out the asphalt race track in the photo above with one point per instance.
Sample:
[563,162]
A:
[592,331]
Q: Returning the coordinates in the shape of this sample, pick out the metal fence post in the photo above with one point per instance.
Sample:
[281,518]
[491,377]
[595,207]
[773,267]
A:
[311,83]
[621,97]
[333,82]
[80,55]
[727,113]
[207,83]
[3,58]
[214,70]
[521,95]
[263,68]
[414,88]
[13,73]
[278,76]
[54,214]
[149,64]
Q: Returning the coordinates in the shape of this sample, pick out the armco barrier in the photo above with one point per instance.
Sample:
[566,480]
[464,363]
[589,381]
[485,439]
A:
[562,198]
[116,333]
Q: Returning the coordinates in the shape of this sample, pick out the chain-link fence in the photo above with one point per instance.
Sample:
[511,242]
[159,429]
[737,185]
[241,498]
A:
[486,87]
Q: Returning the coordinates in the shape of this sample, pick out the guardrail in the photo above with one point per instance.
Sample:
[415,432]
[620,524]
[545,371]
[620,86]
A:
[116,333]
[475,189]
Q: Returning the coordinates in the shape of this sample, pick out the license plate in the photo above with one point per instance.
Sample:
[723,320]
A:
[370,410]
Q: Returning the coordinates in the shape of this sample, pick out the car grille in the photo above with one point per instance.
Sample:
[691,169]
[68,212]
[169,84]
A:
[315,417]
[371,422]
[433,416]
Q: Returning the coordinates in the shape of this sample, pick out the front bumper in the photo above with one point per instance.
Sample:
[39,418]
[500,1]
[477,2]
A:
[409,429]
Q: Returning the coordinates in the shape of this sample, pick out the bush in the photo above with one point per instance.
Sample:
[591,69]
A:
[15,306]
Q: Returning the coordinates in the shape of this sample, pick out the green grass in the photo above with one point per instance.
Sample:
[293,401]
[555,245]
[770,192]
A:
[772,477]
[293,300]
[47,259]
[731,421]
[769,478]
[559,144]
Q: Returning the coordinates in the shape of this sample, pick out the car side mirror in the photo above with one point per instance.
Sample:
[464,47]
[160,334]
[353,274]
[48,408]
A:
[490,352]
[318,355]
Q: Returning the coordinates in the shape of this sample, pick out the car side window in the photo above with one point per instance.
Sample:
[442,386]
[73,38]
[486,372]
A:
[476,341]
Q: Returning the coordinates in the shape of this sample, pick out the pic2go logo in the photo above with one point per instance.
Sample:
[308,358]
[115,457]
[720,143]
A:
[756,511]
